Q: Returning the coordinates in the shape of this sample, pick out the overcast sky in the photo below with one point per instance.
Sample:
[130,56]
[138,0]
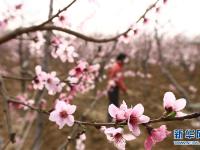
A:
[111,16]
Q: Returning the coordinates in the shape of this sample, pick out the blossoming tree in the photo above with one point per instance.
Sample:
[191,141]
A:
[52,40]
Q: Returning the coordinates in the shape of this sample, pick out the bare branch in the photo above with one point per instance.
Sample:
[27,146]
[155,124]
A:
[45,27]
[5,145]
[16,78]
[6,110]
[31,107]
[58,13]
[190,116]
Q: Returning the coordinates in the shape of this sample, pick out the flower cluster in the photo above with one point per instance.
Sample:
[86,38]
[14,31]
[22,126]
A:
[134,117]
[63,50]
[82,77]
[37,44]
[47,80]
[66,97]
[80,80]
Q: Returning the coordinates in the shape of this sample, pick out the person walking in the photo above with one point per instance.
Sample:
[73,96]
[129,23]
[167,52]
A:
[116,81]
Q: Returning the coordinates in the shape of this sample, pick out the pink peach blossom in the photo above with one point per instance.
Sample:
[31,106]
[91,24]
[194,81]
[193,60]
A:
[136,117]
[63,50]
[82,77]
[79,69]
[117,137]
[36,44]
[172,105]
[40,79]
[121,113]
[53,84]
[47,80]
[63,114]
[156,135]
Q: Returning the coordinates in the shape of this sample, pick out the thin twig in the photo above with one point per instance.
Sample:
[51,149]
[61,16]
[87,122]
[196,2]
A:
[6,110]
[190,116]
[5,145]
[58,13]
[31,107]
[16,78]
[25,135]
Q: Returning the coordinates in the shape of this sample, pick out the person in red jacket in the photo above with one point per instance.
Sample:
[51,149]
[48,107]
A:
[116,81]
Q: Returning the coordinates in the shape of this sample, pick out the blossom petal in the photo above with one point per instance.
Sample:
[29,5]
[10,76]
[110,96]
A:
[60,105]
[71,109]
[180,104]
[120,145]
[120,115]
[129,137]
[118,130]
[54,115]
[112,110]
[128,113]
[123,106]
[144,119]
[138,110]
[60,123]
[134,129]
[53,73]
[38,69]
[180,114]
[69,120]
[163,127]
[109,130]
[169,99]
[148,144]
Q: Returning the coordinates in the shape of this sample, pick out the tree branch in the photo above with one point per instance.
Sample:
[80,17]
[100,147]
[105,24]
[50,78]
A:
[31,107]
[44,27]
[162,119]
[17,78]
[99,124]
[190,116]
[6,110]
